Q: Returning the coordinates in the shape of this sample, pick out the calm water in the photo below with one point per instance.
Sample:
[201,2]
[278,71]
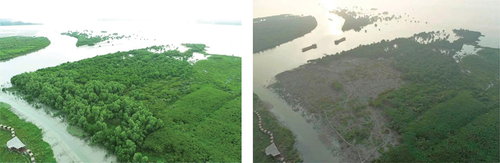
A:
[67,148]
[440,15]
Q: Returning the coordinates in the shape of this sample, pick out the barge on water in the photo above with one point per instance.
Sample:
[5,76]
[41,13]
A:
[313,46]
[339,41]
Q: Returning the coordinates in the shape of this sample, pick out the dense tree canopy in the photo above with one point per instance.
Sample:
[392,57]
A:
[148,106]
[15,46]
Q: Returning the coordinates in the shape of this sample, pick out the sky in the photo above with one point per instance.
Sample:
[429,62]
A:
[53,11]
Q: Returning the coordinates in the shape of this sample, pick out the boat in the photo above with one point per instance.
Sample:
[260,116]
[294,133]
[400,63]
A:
[313,46]
[339,41]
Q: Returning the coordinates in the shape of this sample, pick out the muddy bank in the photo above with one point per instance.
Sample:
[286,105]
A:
[337,94]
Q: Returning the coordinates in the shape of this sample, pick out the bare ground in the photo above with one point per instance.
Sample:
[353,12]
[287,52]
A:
[336,96]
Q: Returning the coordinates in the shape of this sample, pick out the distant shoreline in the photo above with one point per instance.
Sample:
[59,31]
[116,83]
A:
[17,23]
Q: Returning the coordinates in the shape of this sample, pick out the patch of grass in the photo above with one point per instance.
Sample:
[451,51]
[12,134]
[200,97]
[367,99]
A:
[283,137]
[337,86]
[28,133]
[76,131]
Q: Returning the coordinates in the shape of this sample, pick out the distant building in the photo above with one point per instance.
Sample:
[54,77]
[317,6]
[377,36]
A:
[15,144]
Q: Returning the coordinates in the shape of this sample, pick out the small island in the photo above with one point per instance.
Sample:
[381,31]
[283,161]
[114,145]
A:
[87,38]
[11,23]
[357,21]
[15,46]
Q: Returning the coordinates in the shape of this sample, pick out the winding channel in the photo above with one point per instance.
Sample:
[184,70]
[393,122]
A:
[67,148]
[287,56]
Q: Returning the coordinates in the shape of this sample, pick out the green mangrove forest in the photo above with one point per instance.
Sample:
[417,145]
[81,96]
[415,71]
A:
[28,133]
[86,37]
[449,110]
[445,110]
[15,46]
[269,32]
[146,106]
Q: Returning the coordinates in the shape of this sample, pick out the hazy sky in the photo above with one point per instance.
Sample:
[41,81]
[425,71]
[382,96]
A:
[48,11]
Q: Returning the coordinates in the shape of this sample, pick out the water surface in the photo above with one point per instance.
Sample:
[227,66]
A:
[439,15]
[221,39]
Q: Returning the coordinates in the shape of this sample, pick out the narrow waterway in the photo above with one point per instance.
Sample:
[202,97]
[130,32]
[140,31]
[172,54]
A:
[445,15]
[309,145]
[68,148]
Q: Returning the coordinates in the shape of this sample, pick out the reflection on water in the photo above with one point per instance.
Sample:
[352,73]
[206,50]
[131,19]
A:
[222,39]
[439,15]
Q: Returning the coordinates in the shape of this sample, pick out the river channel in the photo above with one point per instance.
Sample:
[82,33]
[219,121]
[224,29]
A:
[439,15]
[68,148]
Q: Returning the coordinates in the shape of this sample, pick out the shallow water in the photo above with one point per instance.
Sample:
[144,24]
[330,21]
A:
[66,147]
[309,145]
[440,15]
[197,57]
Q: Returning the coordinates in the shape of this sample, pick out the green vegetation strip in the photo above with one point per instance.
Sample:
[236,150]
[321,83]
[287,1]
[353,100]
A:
[283,137]
[86,38]
[28,133]
[11,23]
[269,32]
[145,106]
[15,46]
